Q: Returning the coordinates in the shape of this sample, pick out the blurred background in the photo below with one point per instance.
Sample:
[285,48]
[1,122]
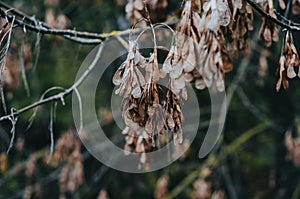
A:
[257,156]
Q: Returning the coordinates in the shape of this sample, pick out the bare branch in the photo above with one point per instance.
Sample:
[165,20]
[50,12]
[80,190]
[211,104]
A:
[41,98]
[283,18]
[37,27]
[61,95]
[278,22]
[22,67]
[80,110]
[40,27]
[13,121]
[51,130]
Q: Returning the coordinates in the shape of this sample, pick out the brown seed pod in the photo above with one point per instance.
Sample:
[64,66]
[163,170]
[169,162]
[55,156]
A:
[289,59]
[239,27]
[268,31]
[135,10]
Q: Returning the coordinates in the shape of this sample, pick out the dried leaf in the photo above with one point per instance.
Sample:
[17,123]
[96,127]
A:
[291,72]
[200,84]
[136,92]
[179,83]
[138,4]
[176,70]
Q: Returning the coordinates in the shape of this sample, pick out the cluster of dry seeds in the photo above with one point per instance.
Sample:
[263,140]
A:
[213,60]
[181,60]
[199,54]
[268,31]
[289,59]
[147,109]
[240,25]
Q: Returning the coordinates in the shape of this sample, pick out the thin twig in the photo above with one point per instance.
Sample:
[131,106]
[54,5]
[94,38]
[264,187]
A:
[73,35]
[41,98]
[278,22]
[52,31]
[287,10]
[22,67]
[13,121]
[80,110]
[228,182]
[283,18]
[37,50]
[51,131]
[61,95]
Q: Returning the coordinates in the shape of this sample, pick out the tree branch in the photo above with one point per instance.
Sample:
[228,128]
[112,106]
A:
[61,95]
[289,26]
[283,18]
[81,37]
[40,27]
[212,160]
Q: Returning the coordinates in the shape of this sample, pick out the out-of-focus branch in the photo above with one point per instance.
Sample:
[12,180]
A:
[213,160]
[254,110]
[243,138]
[287,26]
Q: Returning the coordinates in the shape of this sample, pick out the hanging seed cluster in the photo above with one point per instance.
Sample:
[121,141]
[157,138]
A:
[268,31]
[289,59]
[148,111]
[238,29]
[199,54]
[181,60]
